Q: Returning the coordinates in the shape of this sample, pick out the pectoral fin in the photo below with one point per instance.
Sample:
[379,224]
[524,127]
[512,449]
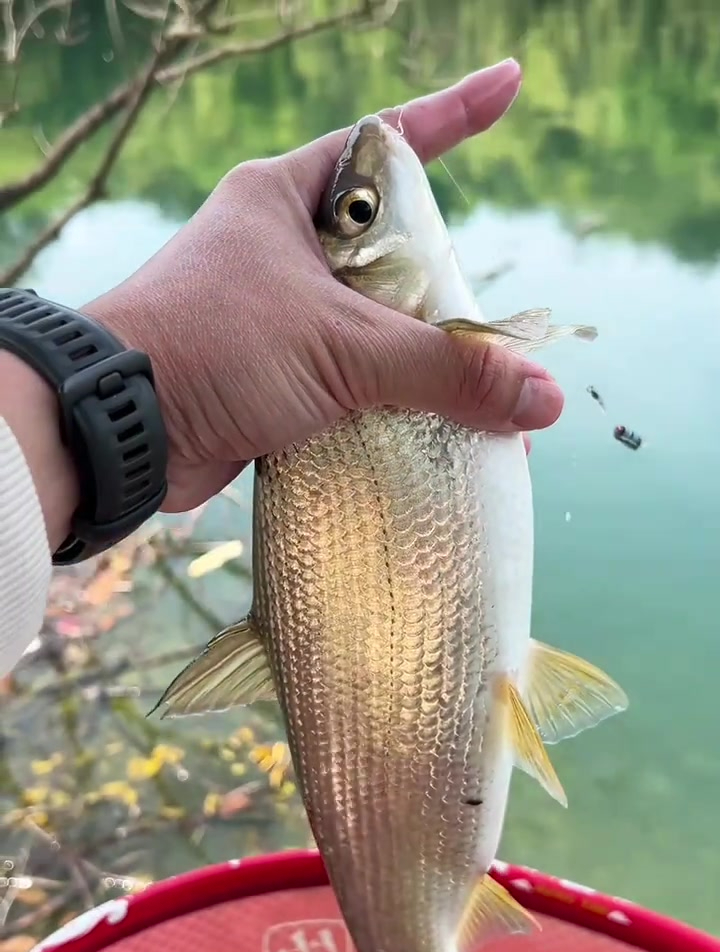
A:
[232,670]
[527,744]
[491,913]
[566,695]
[522,333]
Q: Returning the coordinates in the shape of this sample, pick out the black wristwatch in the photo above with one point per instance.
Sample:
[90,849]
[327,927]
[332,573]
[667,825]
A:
[109,415]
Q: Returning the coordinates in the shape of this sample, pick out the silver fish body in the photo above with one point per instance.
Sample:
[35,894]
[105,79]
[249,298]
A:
[392,566]
[390,552]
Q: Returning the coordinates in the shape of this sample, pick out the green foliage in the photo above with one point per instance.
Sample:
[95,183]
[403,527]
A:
[618,114]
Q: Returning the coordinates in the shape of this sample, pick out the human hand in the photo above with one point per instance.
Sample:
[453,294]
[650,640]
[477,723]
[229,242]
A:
[255,345]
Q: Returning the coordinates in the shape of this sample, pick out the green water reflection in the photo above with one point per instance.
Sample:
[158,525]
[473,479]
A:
[618,118]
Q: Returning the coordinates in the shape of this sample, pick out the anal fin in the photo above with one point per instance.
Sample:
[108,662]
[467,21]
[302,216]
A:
[566,695]
[527,745]
[491,912]
[523,332]
[233,670]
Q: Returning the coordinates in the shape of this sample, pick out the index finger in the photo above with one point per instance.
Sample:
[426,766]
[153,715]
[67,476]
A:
[432,124]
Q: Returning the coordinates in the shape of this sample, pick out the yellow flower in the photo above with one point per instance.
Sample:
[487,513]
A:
[273,760]
[212,804]
[168,754]
[277,775]
[172,813]
[262,756]
[243,735]
[280,753]
[120,790]
[33,795]
[38,817]
[43,767]
[288,789]
[238,769]
[59,798]
[141,768]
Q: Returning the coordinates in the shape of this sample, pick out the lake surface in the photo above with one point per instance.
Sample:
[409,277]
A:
[617,121]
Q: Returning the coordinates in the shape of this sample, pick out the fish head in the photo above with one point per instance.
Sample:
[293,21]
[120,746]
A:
[379,225]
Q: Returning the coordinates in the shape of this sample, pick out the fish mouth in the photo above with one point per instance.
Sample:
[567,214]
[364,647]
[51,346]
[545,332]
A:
[367,147]
[362,163]
[368,128]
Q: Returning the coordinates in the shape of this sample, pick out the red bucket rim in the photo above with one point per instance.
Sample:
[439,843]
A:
[117,919]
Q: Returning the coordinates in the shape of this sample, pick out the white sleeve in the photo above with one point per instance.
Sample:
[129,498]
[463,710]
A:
[25,559]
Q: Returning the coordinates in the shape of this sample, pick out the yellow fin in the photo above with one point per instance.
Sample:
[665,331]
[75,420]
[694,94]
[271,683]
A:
[523,332]
[529,750]
[231,671]
[491,912]
[566,695]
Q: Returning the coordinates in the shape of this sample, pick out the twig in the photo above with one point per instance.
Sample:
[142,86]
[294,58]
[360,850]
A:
[101,113]
[73,862]
[170,657]
[233,50]
[12,891]
[98,183]
[40,915]
[15,36]
[85,126]
[185,592]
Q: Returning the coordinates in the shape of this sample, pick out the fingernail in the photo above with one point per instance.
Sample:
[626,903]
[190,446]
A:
[500,72]
[498,78]
[539,405]
[509,65]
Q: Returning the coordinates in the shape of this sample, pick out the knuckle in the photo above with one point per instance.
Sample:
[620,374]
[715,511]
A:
[253,180]
[484,378]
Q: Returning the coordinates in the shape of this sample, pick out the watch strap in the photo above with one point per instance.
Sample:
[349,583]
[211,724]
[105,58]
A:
[109,416]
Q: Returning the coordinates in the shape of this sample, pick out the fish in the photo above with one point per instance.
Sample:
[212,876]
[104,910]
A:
[391,612]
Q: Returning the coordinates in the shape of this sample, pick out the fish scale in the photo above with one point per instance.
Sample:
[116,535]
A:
[379,648]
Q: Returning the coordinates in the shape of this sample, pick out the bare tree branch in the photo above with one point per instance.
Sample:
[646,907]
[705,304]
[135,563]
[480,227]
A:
[101,113]
[15,34]
[97,185]
[232,50]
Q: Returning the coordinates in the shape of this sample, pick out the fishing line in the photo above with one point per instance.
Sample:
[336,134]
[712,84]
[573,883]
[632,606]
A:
[455,182]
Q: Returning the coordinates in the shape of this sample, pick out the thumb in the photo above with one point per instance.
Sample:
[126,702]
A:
[394,360]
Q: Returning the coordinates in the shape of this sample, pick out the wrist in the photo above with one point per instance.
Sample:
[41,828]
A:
[137,322]
[99,453]
[30,408]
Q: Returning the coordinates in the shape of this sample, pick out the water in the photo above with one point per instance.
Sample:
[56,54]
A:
[618,118]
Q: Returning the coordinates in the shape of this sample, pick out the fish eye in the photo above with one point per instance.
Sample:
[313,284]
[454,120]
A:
[355,210]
